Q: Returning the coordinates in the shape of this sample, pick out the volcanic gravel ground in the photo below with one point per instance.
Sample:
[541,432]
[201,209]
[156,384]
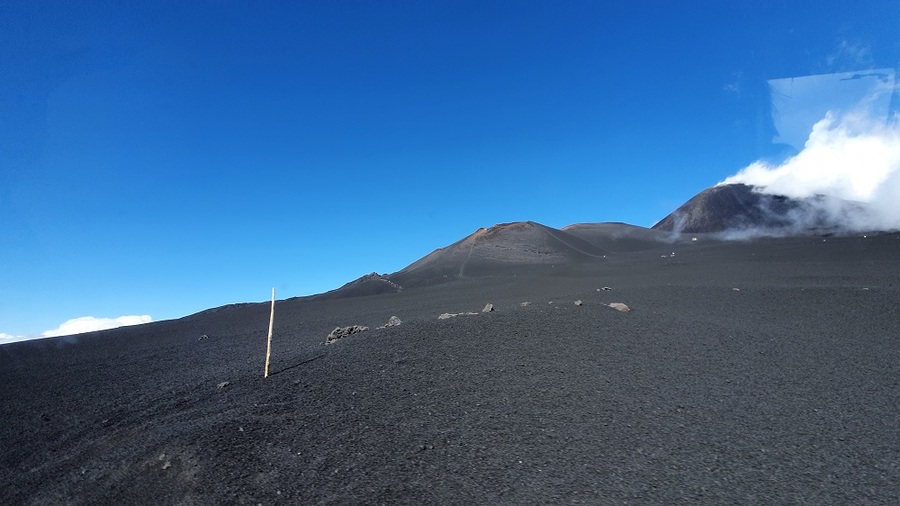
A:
[763,372]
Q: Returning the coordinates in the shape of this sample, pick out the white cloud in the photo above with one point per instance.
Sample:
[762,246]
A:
[850,155]
[90,324]
[80,325]
[9,338]
[850,158]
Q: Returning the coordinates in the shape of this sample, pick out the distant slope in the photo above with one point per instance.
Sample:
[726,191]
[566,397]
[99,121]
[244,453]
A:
[370,284]
[503,245]
[488,251]
[739,207]
[727,207]
[484,252]
[618,237]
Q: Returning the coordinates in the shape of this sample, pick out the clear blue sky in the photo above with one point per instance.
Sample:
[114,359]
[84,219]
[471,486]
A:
[162,158]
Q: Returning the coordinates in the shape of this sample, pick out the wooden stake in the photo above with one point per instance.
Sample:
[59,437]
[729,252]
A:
[269,344]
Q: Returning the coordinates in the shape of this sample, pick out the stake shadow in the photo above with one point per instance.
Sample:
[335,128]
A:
[288,368]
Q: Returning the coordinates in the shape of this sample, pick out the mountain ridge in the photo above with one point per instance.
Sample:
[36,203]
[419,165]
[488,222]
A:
[506,247]
[737,208]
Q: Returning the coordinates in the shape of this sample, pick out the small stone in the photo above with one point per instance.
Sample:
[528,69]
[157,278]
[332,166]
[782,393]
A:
[605,289]
[578,303]
[735,289]
[393,321]
[523,304]
[618,306]
[223,384]
[488,308]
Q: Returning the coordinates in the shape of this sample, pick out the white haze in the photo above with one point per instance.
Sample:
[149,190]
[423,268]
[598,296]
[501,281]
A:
[848,169]
[90,324]
[81,325]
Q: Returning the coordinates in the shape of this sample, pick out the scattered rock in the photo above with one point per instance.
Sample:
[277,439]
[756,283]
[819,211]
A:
[340,332]
[523,304]
[202,337]
[618,306]
[578,303]
[223,384]
[605,289]
[393,321]
[488,308]
[735,289]
[444,316]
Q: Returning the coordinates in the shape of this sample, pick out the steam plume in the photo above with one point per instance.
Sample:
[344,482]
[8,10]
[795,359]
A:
[848,170]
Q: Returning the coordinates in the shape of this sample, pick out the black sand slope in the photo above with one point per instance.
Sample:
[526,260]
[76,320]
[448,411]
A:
[619,237]
[735,207]
[505,246]
[763,372]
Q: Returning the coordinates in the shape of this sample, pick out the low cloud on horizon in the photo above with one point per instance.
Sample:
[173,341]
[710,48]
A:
[81,325]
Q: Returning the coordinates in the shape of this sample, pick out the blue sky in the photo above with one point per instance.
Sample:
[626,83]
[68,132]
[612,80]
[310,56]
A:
[163,158]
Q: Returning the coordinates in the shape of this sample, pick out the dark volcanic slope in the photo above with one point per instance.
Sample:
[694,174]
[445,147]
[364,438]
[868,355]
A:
[619,237]
[784,391]
[737,207]
[501,247]
[506,247]
[726,207]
